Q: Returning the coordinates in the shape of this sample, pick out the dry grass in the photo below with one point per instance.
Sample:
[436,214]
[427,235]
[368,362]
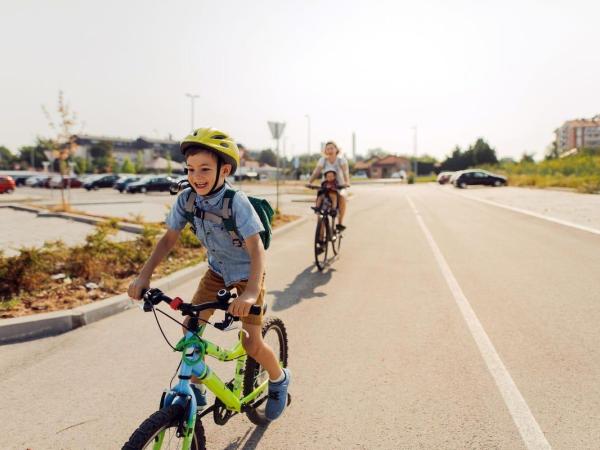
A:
[26,280]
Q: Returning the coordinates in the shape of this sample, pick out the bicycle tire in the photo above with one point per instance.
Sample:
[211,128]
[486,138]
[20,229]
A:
[336,238]
[253,373]
[321,258]
[164,419]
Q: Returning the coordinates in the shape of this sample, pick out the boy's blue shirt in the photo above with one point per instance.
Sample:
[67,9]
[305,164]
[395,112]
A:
[232,263]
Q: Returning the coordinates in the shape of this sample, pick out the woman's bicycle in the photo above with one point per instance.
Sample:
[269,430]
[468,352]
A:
[327,230]
[177,424]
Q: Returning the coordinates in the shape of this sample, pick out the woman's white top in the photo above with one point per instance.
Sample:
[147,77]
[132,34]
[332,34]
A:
[339,165]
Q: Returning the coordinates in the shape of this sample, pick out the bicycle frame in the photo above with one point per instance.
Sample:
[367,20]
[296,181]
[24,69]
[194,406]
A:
[193,349]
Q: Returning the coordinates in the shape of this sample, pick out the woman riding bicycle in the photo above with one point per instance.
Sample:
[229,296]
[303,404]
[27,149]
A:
[332,161]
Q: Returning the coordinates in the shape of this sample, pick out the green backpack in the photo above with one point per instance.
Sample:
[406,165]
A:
[225,217]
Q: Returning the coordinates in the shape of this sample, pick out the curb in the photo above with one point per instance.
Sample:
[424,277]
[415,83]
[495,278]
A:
[124,226]
[21,329]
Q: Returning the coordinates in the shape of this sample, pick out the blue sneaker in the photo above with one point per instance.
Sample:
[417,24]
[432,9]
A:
[277,397]
[199,391]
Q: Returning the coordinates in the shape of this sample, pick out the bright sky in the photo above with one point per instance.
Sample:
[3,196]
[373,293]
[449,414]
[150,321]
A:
[509,71]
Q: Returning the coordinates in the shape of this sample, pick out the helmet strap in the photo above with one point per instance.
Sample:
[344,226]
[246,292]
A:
[214,188]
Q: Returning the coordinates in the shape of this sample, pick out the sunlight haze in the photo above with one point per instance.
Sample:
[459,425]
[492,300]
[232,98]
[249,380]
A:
[510,72]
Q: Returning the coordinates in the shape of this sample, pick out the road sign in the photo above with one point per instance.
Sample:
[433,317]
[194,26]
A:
[276,129]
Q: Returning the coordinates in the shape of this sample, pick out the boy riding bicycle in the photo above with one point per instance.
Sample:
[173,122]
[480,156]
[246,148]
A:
[211,156]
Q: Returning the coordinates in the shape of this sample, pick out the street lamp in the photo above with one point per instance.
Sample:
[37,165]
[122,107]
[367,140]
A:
[308,134]
[192,97]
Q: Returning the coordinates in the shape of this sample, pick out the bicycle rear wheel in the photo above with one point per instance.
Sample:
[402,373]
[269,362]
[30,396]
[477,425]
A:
[166,420]
[336,235]
[274,335]
[321,236]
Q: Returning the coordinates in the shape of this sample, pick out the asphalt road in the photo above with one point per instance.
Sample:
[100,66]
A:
[446,323]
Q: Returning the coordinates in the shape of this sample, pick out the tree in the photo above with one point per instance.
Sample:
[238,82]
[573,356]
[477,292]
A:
[6,158]
[379,152]
[527,157]
[102,157]
[552,151]
[477,154]
[62,144]
[81,165]
[139,162]
[482,153]
[127,166]
[268,156]
[25,153]
[169,165]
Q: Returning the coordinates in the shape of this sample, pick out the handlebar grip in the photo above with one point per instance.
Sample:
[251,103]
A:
[256,310]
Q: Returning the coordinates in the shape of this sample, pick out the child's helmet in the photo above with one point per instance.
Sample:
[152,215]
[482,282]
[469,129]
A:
[215,140]
[330,170]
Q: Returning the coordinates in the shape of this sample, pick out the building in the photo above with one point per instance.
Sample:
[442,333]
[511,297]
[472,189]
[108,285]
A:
[383,166]
[578,134]
[128,148]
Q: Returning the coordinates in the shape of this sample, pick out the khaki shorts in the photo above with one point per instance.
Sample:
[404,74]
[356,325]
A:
[211,283]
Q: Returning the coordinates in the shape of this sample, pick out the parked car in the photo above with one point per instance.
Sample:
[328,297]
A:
[361,174]
[444,177]
[101,181]
[37,181]
[56,182]
[7,184]
[123,182]
[478,177]
[150,184]
[401,174]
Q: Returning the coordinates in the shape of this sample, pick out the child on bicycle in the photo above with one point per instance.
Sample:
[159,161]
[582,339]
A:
[329,187]
[211,156]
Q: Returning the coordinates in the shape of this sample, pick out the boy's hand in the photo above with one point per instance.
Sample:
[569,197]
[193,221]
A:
[240,307]
[136,286]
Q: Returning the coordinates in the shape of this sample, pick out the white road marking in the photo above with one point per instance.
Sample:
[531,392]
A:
[531,213]
[528,427]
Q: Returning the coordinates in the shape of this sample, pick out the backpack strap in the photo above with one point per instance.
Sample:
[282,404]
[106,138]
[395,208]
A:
[227,215]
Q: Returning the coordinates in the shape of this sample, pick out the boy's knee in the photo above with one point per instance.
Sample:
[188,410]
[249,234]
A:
[252,347]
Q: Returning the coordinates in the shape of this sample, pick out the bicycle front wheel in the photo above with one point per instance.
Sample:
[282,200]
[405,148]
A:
[148,435]
[275,336]
[336,236]
[321,235]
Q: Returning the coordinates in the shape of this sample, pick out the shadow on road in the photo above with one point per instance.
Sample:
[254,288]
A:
[252,441]
[303,287]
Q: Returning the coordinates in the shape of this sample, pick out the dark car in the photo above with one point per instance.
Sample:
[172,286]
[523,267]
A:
[150,184]
[7,184]
[102,181]
[478,177]
[123,182]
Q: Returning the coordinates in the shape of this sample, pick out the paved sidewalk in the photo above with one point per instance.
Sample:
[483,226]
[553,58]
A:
[581,209]
[27,229]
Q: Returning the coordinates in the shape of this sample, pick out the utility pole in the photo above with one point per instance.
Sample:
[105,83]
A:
[308,134]
[415,166]
[354,146]
[192,98]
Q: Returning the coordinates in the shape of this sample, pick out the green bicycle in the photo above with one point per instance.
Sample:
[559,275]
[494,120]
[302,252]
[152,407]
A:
[177,424]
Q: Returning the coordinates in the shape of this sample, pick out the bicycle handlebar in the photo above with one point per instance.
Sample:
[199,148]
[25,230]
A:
[312,186]
[154,296]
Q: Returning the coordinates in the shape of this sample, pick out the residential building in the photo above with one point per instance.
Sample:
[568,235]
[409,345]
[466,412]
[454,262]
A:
[128,148]
[578,134]
[383,166]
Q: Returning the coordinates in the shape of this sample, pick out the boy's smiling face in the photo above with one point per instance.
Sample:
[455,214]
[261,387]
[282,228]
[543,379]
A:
[202,170]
